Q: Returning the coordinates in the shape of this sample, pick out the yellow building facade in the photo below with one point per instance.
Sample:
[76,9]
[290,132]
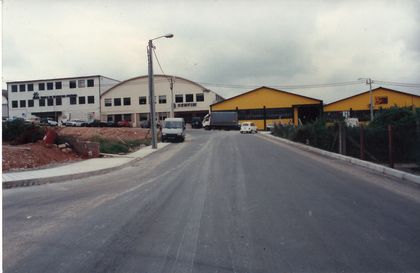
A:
[265,106]
[358,106]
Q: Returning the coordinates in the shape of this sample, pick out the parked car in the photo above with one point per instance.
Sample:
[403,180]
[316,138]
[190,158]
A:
[146,124]
[248,127]
[48,121]
[196,122]
[124,123]
[111,123]
[76,123]
[96,123]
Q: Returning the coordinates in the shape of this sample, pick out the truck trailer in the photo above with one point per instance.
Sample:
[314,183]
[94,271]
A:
[221,120]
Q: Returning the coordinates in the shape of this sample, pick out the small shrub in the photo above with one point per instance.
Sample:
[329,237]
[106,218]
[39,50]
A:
[17,131]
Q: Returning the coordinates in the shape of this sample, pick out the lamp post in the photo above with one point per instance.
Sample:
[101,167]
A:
[369,81]
[150,48]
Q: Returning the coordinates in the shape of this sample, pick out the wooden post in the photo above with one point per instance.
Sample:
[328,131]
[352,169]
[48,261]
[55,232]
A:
[418,141]
[362,142]
[390,146]
[344,133]
[265,118]
[340,138]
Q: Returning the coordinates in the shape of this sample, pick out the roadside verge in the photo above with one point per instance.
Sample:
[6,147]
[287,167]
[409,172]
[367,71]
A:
[75,170]
[369,165]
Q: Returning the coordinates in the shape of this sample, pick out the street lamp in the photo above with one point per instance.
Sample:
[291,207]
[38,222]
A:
[369,81]
[150,48]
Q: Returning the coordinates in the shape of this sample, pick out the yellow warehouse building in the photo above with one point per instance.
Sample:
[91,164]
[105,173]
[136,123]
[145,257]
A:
[265,106]
[358,106]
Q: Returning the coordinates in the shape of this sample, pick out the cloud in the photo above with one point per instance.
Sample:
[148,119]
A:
[235,42]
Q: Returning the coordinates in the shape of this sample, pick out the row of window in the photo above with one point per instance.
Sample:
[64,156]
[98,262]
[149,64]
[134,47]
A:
[179,98]
[50,101]
[52,85]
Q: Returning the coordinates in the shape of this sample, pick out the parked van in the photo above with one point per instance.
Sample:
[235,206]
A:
[173,129]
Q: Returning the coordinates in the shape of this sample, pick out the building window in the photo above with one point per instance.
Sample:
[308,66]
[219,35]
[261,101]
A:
[108,102]
[81,83]
[90,83]
[82,100]
[127,117]
[73,100]
[22,103]
[41,86]
[162,99]
[14,104]
[30,87]
[41,102]
[199,97]
[14,88]
[189,98]
[91,99]
[58,85]
[22,87]
[72,84]
[30,103]
[142,100]
[50,102]
[117,102]
[127,101]
[179,98]
[50,86]
[58,101]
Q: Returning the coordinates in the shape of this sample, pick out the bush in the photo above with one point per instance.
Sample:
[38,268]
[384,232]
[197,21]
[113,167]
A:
[17,131]
[114,146]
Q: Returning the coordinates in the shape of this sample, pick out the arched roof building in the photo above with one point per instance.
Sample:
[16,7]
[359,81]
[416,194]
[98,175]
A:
[129,100]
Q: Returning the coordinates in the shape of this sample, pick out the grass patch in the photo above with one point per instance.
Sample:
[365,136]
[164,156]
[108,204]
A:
[116,146]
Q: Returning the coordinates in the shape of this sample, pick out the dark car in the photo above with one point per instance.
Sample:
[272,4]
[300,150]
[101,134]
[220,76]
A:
[145,124]
[111,124]
[96,123]
[196,122]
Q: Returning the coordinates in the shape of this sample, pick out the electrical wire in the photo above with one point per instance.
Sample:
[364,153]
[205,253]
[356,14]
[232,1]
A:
[161,69]
[398,83]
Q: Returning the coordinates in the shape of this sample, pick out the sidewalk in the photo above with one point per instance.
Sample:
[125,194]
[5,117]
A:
[76,170]
[355,161]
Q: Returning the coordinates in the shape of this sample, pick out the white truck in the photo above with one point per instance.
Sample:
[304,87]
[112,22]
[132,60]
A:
[173,129]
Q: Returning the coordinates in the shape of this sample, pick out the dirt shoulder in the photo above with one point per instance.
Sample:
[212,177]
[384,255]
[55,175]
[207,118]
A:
[38,155]
[34,155]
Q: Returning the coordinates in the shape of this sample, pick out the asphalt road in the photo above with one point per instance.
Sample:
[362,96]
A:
[220,202]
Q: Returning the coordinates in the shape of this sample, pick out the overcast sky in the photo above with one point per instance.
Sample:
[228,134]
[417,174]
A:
[246,43]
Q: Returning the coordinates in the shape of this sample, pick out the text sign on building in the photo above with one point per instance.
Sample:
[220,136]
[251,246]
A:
[381,100]
[191,104]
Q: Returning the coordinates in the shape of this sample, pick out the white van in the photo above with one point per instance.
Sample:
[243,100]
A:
[173,129]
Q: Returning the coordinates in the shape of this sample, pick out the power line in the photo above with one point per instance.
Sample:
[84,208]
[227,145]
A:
[161,69]
[398,83]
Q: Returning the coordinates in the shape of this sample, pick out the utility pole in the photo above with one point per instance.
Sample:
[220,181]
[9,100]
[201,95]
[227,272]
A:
[172,80]
[152,102]
[369,81]
[152,96]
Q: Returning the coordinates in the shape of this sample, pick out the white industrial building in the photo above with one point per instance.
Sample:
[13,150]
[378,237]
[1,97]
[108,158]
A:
[61,99]
[129,100]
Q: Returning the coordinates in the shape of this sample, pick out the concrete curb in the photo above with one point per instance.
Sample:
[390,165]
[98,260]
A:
[68,177]
[369,165]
